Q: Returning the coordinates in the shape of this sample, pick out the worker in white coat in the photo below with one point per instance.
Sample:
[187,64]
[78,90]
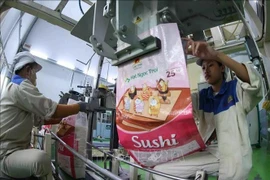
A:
[22,106]
[221,110]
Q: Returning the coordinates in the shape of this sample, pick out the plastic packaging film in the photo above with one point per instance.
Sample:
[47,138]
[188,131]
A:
[154,110]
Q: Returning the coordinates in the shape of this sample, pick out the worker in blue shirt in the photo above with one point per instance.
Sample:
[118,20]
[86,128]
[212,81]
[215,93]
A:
[221,110]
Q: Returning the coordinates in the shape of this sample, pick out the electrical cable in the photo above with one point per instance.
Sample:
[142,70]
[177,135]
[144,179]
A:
[80,5]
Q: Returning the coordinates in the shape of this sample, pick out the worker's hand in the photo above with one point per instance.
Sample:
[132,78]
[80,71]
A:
[200,49]
[266,105]
[86,107]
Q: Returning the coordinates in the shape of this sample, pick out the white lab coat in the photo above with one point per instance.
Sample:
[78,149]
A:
[234,151]
[21,107]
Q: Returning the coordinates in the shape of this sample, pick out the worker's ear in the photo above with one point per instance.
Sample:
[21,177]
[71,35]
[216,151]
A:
[223,68]
[28,69]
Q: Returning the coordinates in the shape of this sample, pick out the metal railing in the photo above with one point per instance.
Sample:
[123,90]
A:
[88,163]
[137,166]
[95,167]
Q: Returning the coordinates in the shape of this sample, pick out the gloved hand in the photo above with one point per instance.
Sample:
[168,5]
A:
[64,98]
[85,107]
[266,105]
[88,107]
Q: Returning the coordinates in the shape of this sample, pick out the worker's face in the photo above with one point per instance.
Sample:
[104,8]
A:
[212,71]
[31,75]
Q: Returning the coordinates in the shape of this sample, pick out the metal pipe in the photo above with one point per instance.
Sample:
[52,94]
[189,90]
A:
[56,157]
[41,136]
[137,166]
[20,28]
[4,44]
[44,13]
[21,42]
[72,78]
[91,122]
[3,54]
[245,23]
[89,62]
[242,17]
[114,134]
[86,161]
[90,163]
[256,45]
[101,59]
[12,29]
[25,36]
[54,169]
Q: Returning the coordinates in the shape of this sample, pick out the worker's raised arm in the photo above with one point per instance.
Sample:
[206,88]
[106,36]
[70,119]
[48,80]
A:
[28,98]
[239,68]
[203,51]
[63,110]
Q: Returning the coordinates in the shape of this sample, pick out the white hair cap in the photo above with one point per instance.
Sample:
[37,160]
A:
[23,58]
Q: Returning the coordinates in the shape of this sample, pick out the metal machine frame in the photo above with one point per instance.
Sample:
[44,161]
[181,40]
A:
[118,25]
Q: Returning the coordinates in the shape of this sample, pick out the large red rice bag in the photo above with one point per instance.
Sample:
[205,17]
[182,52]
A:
[154,110]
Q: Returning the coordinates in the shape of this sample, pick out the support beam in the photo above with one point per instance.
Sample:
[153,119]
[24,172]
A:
[266,62]
[88,2]
[29,29]
[61,6]
[3,59]
[267,50]
[12,29]
[254,17]
[217,36]
[43,12]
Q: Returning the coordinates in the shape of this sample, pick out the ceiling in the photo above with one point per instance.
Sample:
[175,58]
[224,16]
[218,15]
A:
[52,42]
